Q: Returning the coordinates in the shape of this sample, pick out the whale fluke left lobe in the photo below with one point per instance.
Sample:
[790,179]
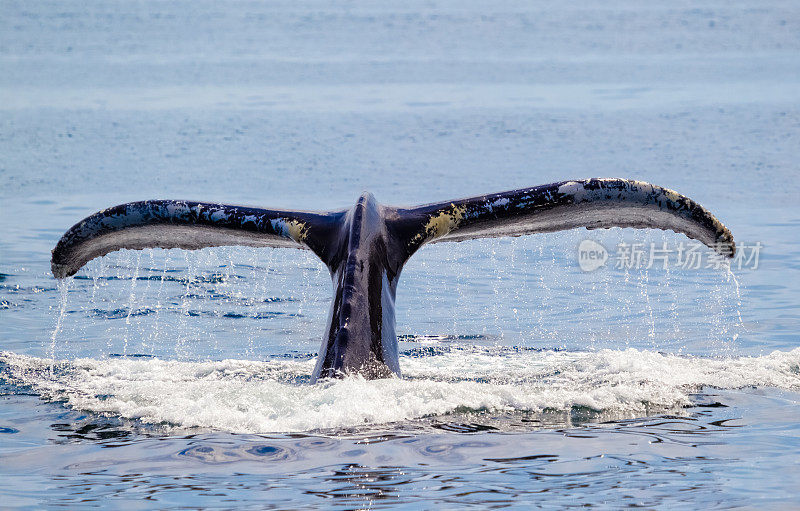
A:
[189,225]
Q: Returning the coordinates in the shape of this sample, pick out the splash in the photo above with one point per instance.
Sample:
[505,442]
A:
[272,396]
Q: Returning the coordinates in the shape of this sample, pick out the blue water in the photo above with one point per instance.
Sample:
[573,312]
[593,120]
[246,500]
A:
[164,379]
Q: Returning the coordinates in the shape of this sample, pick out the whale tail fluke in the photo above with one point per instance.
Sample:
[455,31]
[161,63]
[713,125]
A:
[366,246]
[590,203]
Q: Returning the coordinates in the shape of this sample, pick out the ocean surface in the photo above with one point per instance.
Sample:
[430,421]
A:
[176,379]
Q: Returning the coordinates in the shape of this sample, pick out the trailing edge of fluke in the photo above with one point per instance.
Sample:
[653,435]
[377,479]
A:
[366,246]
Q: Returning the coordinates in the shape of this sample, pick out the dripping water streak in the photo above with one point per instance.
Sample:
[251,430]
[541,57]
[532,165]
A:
[732,276]
[63,289]
[183,339]
[644,282]
[131,303]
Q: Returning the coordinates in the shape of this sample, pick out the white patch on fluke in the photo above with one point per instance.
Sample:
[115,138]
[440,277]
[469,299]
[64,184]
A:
[573,188]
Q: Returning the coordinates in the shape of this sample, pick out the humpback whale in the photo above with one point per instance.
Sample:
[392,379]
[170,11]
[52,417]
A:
[366,246]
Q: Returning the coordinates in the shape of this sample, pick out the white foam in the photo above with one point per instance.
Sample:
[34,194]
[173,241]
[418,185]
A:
[259,397]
